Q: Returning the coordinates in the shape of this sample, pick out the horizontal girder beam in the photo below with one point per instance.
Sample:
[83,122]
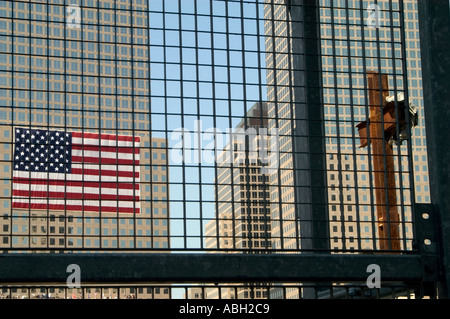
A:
[207,268]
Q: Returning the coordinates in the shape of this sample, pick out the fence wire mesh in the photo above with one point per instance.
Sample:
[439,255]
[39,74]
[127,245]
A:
[187,126]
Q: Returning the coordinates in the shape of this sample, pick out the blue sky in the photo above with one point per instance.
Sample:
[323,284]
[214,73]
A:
[189,60]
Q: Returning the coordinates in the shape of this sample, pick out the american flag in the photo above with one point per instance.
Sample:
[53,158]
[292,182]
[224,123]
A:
[74,171]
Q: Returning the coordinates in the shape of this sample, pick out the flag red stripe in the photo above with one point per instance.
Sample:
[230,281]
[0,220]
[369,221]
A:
[104,172]
[103,160]
[112,149]
[108,137]
[114,185]
[64,195]
[96,209]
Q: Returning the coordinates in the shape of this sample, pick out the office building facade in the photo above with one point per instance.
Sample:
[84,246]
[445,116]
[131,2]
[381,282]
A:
[243,207]
[350,47]
[80,68]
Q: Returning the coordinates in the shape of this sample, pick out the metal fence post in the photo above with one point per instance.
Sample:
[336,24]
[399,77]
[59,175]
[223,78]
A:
[434,20]
[310,155]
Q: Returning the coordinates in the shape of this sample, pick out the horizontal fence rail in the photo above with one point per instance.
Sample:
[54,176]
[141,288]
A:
[114,268]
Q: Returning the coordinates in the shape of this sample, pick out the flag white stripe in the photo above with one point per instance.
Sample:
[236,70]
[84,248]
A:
[104,154]
[74,189]
[74,177]
[104,142]
[53,201]
[107,167]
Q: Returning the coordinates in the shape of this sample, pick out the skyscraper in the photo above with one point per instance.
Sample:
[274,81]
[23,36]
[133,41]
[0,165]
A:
[281,95]
[82,69]
[243,216]
[350,47]
[243,210]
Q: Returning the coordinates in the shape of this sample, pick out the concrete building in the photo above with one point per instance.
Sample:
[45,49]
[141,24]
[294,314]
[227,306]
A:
[80,68]
[349,47]
[243,215]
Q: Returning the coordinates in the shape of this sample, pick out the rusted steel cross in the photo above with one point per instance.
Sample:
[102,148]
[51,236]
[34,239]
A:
[382,113]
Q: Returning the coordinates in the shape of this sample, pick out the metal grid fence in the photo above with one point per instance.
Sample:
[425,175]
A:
[210,127]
